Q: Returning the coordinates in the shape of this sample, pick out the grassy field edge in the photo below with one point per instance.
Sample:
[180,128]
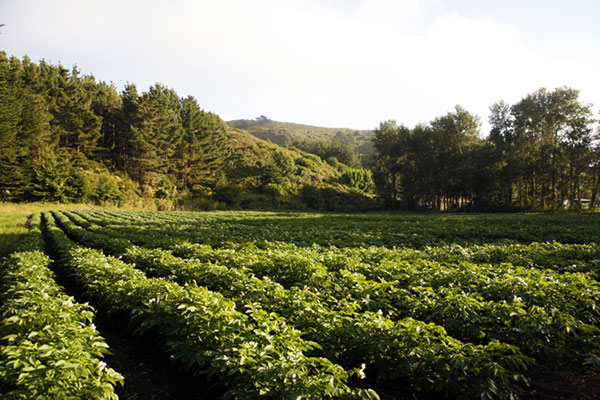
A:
[13,220]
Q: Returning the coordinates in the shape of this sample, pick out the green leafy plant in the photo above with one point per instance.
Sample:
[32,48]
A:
[50,347]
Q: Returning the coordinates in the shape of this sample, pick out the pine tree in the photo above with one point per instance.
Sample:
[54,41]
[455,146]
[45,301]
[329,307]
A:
[204,151]
[10,110]
[153,133]
[75,123]
[160,111]
[106,104]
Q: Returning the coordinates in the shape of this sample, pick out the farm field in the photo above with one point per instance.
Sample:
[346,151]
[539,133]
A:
[13,219]
[303,305]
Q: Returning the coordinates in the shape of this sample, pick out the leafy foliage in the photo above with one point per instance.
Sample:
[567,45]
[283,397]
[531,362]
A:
[347,144]
[254,352]
[455,320]
[279,166]
[68,138]
[50,347]
[359,178]
[56,123]
[540,154]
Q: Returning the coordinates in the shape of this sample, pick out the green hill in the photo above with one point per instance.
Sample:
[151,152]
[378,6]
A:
[288,133]
[262,174]
[68,138]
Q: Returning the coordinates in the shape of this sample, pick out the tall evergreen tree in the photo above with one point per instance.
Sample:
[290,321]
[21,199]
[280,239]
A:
[124,148]
[160,112]
[74,121]
[204,151]
[106,103]
[10,118]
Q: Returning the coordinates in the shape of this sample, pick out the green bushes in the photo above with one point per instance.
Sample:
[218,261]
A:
[333,161]
[280,166]
[228,193]
[108,191]
[253,353]
[50,347]
[78,188]
[358,178]
[311,162]
[333,199]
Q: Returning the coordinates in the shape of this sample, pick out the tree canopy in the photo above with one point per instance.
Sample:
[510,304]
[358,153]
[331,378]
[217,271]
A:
[65,136]
[541,153]
[54,122]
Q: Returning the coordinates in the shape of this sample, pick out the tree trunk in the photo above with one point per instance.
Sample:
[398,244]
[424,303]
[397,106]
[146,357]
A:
[595,185]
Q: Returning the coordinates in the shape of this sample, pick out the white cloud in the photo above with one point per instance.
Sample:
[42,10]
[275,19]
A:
[334,63]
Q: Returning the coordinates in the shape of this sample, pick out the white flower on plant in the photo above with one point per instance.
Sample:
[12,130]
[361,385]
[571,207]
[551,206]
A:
[101,366]
[360,372]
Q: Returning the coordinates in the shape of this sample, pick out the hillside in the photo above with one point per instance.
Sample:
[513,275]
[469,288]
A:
[287,133]
[251,154]
[65,137]
[265,175]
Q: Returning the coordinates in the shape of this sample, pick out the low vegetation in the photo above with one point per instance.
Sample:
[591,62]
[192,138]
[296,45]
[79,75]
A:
[13,221]
[288,305]
[50,346]
[350,146]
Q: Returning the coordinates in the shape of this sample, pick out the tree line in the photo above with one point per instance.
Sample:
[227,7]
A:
[68,137]
[542,153]
[56,124]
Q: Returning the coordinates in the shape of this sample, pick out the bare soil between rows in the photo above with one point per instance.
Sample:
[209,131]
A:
[148,371]
[549,384]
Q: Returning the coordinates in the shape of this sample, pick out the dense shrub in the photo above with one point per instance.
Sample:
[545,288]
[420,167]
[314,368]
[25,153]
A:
[280,166]
[310,161]
[358,178]
[108,191]
[228,193]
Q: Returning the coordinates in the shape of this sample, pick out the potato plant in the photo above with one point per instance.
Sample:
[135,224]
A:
[254,353]
[301,305]
[50,346]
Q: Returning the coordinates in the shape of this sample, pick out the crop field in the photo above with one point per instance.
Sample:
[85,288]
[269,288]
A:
[303,306]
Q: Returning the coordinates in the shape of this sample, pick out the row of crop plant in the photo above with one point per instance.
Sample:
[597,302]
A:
[362,230]
[252,353]
[50,348]
[392,350]
[474,302]
[273,319]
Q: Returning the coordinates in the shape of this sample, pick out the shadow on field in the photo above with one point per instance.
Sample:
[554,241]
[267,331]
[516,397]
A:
[8,242]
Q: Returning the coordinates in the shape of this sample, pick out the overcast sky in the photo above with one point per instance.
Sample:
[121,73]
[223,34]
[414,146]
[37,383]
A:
[336,63]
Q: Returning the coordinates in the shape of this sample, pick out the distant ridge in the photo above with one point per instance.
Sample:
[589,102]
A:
[286,133]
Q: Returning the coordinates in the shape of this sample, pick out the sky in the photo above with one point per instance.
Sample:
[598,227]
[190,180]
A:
[334,63]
